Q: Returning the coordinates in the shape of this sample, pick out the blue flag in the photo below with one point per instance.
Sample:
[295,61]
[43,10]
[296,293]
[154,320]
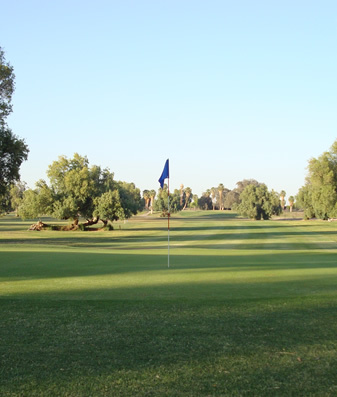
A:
[165,174]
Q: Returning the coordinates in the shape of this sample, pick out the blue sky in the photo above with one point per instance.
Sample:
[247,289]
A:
[226,90]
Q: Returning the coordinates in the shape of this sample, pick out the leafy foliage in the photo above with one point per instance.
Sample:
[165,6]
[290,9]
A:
[258,203]
[318,197]
[77,190]
[7,86]
[161,202]
[13,151]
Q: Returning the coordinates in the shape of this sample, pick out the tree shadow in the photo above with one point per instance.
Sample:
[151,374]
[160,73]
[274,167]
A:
[30,265]
[231,344]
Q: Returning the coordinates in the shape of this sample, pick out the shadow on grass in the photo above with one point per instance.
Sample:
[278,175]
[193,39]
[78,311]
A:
[246,229]
[128,241]
[130,348]
[39,265]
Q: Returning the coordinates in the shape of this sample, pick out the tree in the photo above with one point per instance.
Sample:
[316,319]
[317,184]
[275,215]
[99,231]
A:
[188,192]
[221,189]
[130,198]
[282,198]
[205,201]
[213,195]
[7,86]
[13,152]
[77,190]
[257,203]
[16,193]
[195,201]
[37,202]
[161,202]
[233,197]
[304,201]
[318,197]
[181,194]
[152,196]
[291,200]
[108,206]
[146,196]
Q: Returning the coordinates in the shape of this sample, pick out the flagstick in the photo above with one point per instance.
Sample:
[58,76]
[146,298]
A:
[168,222]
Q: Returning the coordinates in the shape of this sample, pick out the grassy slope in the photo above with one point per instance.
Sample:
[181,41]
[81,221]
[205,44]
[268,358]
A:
[247,308]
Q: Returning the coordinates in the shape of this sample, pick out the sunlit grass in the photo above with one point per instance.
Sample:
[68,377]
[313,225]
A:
[246,308]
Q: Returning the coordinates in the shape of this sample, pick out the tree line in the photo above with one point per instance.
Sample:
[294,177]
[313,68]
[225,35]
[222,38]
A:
[250,198]
[77,190]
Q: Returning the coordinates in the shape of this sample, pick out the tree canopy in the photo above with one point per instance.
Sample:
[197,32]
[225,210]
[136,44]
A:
[79,191]
[7,86]
[258,203]
[318,197]
[13,150]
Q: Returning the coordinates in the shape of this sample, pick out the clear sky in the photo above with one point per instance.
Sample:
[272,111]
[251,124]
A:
[227,90]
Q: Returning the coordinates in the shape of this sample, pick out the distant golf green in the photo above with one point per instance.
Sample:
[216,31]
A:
[246,308]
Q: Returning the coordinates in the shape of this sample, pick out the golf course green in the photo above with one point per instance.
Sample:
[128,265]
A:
[246,308]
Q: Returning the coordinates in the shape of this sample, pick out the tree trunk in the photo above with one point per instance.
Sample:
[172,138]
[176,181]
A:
[90,222]
[186,202]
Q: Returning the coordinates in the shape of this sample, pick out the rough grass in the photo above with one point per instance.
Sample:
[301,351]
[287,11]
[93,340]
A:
[246,308]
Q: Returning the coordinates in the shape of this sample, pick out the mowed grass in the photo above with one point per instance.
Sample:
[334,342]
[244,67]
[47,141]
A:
[246,308]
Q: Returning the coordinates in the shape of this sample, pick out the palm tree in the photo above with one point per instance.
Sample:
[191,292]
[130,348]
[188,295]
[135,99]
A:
[181,194]
[282,196]
[146,196]
[152,196]
[188,192]
[221,189]
[195,201]
[213,195]
[291,200]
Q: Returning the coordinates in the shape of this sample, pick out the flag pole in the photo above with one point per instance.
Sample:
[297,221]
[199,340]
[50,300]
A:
[166,175]
[168,222]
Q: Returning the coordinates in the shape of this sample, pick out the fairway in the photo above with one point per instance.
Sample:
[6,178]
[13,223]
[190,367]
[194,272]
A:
[246,308]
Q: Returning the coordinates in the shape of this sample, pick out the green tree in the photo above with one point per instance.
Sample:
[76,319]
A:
[304,201]
[233,196]
[258,203]
[146,197]
[130,198]
[291,200]
[213,196]
[13,152]
[319,195]
[181,194]
[37,202]
[152,197]
[282,198]
[16,193]
[195,201]
[77,190]
[7,86]
[205,201]
[188,193]
[108,206]
[221,189]
[161,202]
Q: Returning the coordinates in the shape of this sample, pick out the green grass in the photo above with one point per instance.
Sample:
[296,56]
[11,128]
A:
[246,308]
